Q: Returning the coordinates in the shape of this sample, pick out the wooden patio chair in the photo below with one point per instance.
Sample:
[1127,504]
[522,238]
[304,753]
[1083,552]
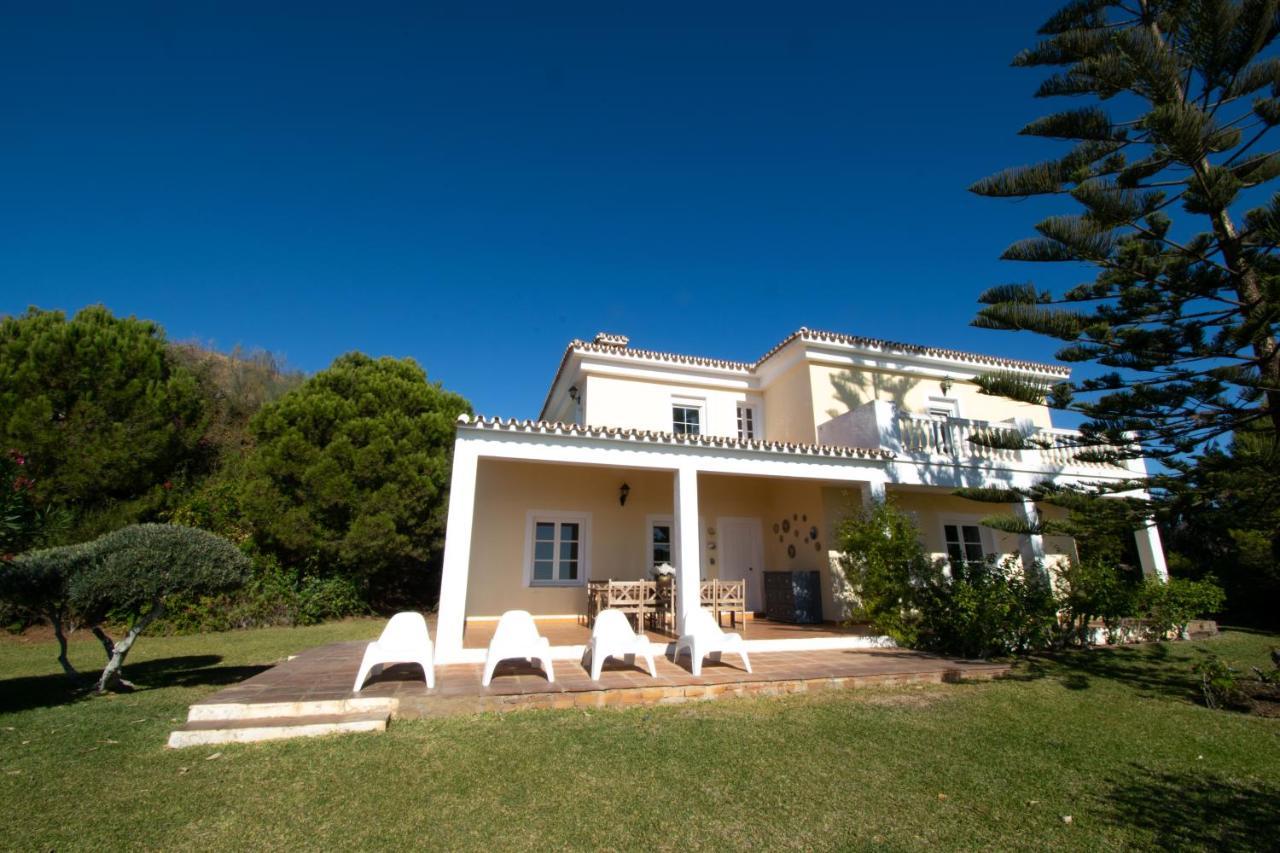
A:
[731,598]
[630,598]
[663,615]
[597,596]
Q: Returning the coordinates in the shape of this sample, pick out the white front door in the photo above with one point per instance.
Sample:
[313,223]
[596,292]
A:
[742,556]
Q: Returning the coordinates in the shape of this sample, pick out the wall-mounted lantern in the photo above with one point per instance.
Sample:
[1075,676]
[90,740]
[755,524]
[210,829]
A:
[945,384]
[622,494]
[574,394]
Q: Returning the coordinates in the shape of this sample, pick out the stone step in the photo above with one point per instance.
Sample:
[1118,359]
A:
[253,730]
[206,711]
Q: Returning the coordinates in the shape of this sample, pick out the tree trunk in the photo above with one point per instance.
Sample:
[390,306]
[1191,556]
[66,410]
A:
[107,642]
[55,619]
[111,674]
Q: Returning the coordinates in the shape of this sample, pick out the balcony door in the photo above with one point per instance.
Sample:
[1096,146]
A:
[742,556]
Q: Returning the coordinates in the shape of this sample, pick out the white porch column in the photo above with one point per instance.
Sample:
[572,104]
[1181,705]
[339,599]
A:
[1031,546]
[688,565]
[451,614]
[1151,552]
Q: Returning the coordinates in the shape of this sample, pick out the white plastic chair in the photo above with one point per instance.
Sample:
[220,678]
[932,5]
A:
[611,636]
[704,637]
[517,637]
[404,640]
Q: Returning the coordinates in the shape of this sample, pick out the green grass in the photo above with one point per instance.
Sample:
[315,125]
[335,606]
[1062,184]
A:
[1112,738]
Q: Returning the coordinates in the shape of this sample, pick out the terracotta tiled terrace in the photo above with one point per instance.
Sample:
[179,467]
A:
[570,632]
[320,680]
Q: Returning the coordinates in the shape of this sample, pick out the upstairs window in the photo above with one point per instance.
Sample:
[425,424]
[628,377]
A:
[686,419]
[746,421]
[964,543]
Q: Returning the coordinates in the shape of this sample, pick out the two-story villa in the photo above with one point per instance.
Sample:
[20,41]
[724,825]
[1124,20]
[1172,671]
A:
[724,469]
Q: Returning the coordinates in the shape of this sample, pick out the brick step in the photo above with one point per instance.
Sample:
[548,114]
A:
[253,730]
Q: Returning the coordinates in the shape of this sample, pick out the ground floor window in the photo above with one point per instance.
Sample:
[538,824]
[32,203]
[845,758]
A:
[660,542]
[557,547]
[964,543]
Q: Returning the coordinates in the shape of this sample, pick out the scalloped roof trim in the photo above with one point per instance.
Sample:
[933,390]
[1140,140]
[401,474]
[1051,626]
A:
[641,436]
[819,336]
[807,334]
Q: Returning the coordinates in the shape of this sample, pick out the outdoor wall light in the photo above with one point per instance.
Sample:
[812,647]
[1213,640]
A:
[573,393]
[622,494]
[946,384]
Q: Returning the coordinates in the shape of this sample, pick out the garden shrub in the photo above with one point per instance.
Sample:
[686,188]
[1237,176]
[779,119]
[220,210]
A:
[885,564]
[1093,589]
[1219,683]
[982,609]
[986,609]
[1169,606]
[273,596]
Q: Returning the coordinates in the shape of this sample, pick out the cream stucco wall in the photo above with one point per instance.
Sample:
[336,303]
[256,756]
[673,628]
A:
[837,390]
[933,510]
[646,404]
[506,491]
[789,407]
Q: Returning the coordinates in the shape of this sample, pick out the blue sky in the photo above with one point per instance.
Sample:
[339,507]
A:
[473,185]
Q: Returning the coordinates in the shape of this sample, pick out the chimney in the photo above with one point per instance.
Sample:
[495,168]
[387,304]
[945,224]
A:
[605,339]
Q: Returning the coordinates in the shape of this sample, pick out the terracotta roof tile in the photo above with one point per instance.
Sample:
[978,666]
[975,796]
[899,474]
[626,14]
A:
[818,336]
[656,437]
[805,334]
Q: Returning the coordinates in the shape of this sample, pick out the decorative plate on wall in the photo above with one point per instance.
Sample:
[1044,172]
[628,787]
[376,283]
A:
[813,532]
[781,538]
[775,528]
[786,526]
[817,546]
[791,551]
[804,518]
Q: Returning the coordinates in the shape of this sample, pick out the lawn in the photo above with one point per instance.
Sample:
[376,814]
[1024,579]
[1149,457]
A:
[1111,740]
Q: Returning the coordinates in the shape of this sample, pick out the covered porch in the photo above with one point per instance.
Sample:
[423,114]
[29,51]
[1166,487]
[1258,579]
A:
[538,511]
[535,519]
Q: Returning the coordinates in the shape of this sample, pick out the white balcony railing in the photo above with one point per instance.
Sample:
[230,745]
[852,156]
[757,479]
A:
[942,439]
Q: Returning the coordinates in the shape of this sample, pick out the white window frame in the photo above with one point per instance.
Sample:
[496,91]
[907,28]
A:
[754,409]
[583,520]
[944,407]
[985,534]
[688,403]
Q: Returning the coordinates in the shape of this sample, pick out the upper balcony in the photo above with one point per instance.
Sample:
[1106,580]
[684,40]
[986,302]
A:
[936,440]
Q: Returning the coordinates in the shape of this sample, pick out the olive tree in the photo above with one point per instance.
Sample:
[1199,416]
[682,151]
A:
[136,569]
[40,582]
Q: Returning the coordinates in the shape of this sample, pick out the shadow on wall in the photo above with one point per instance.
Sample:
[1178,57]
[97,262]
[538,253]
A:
[1198,811]
[851,393]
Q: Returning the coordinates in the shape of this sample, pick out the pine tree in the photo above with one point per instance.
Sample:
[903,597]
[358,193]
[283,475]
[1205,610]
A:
[1183,314]
[104,417]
